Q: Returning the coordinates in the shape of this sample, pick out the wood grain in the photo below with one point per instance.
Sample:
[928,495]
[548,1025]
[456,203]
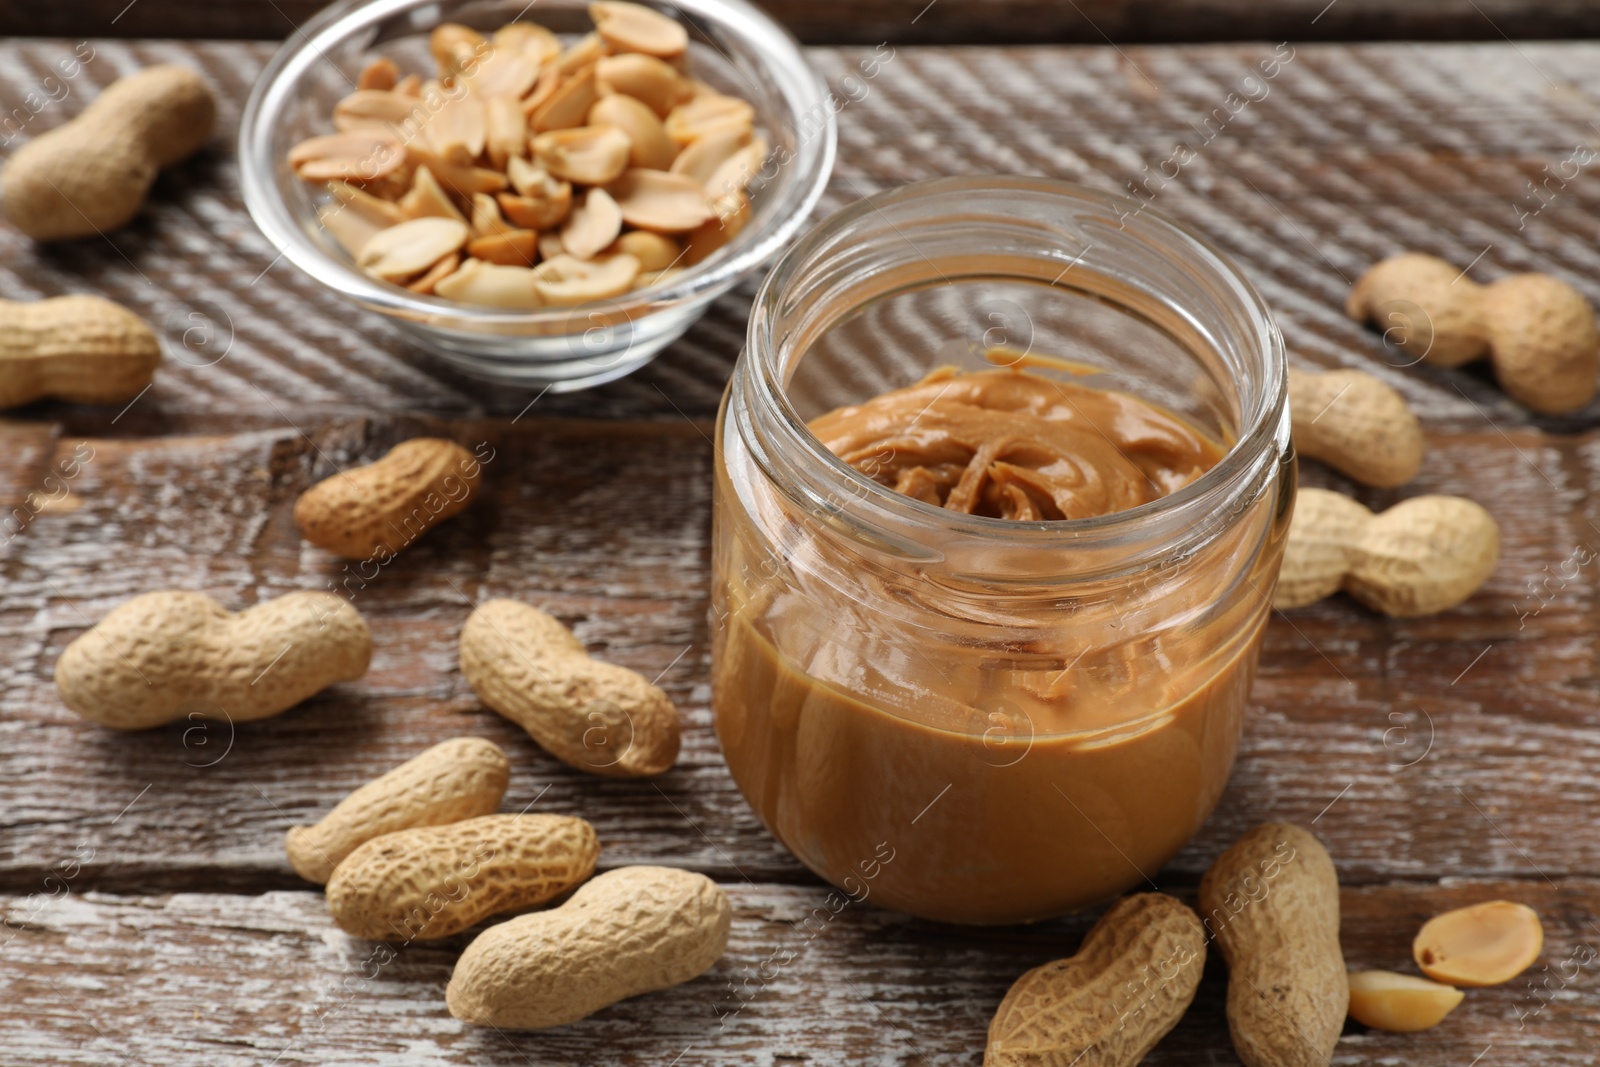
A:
[1469,725]
[1442,760]
[1092,22]
[238,981]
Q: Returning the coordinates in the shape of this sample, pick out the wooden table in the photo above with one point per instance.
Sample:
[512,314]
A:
[1442,760]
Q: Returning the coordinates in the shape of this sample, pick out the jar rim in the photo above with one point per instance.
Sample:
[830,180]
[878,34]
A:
[1263,426]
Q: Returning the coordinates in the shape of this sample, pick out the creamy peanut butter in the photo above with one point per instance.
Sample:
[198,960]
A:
[1014,445]
[1019,756]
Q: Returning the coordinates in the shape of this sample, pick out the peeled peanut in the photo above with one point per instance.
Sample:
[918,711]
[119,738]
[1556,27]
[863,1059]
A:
[660,201]
[1272,902]
[567,281]
[163,656]
[1422,556]
[480,281]
[404,251]
[425,282]
[83,349]
[380,212]
[645,78]
[1356,424]
[588,155]
[651,147]
[374,107]
[430,882]
[381,73]
[374,511]
[92,174]
[734,174]
[505,130]
[459,179]
[706,114]
[701,158]
[1482,945]
[360,156]
[568,103]
[635,28]
[511,248]
[1399,1003]
[630,931]
[455,47]
[582,53]
[458,130]
[732,216]
[427,199]
[461,778]
[1539,332]
[655,252]
[594,716]
[592,226]
[1108,1005]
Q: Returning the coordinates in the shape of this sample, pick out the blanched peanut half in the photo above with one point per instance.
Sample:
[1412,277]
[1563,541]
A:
[702,115]
[529,40]
[736,172]
[351,230]
[655,252]
[550,245]
[381,73]
[501,72]
[486,217]
[506,130]
[592,226]
[645,78]
[588,155]
[457,130]
[455,46]
[568,105]
[410,85]
[549,80]
[636,28]
[565,281]
[404,251]
[366,205]
[373,107]
[436,273]
[731,218]
[661,201]
[1399,1003]
[585,52]
[537,213]
[1482,945]
[512,248]
[453,176]
[359,156]
[701,158]
[427,199]
[652,148]
[490,284]
[532,180]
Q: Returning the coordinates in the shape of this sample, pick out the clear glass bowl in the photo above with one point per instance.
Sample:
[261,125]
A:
[733,45]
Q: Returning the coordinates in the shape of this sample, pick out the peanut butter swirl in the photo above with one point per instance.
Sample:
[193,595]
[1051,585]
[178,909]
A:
[1014,445]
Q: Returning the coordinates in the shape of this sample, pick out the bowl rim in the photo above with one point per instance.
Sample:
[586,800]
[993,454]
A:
[802,88]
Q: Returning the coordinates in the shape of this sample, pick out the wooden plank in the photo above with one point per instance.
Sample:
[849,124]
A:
[1349,154]
[945,22]
[1468,738]
[238,981]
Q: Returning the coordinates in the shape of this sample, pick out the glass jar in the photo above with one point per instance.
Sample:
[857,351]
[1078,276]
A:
[973,719]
